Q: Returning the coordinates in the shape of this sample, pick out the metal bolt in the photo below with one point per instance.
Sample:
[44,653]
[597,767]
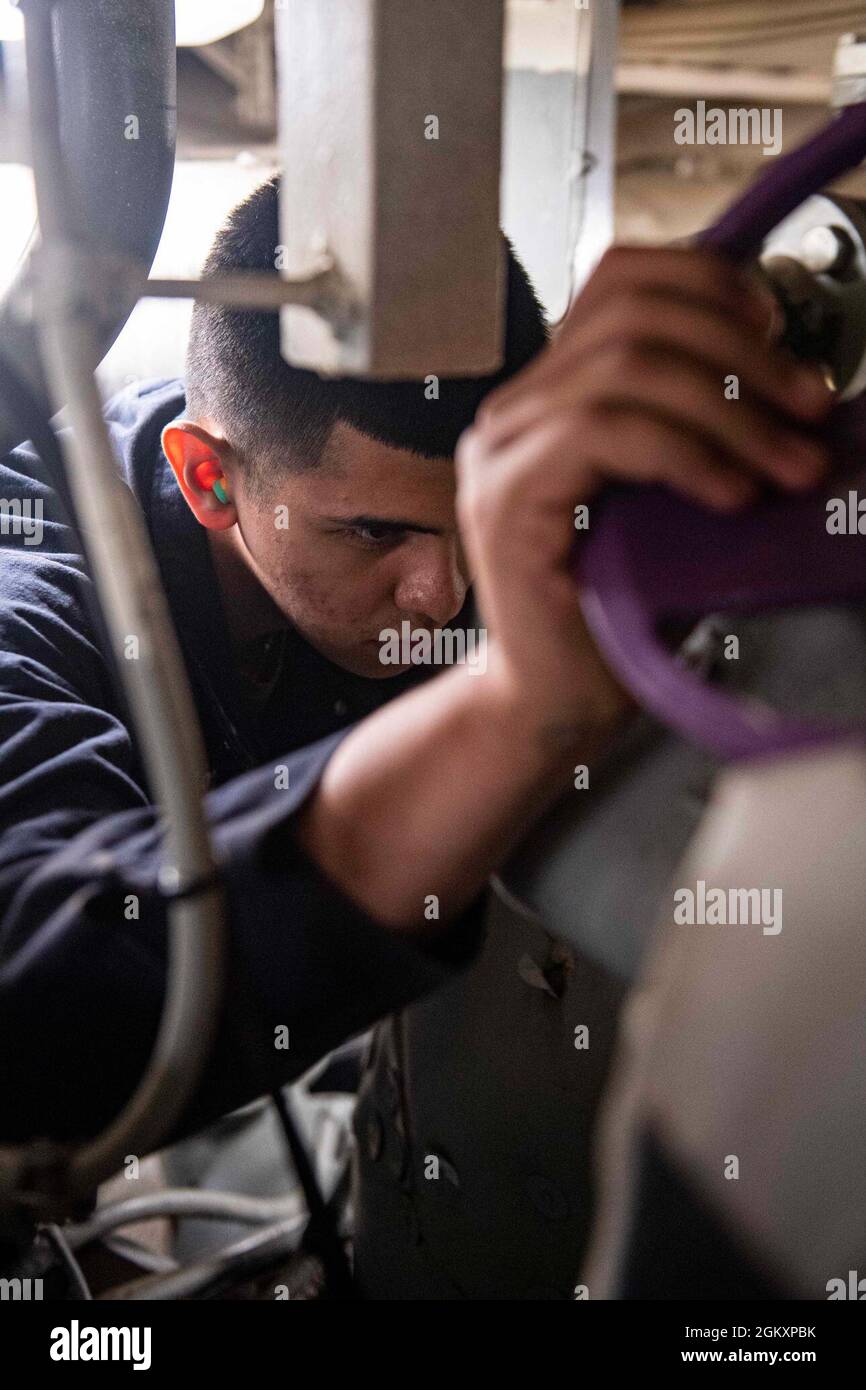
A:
[826,250]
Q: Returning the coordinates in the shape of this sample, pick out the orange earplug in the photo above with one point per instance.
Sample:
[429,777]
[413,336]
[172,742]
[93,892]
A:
[209,474]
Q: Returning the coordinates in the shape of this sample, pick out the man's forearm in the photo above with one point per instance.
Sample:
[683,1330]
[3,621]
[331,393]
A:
[429,794]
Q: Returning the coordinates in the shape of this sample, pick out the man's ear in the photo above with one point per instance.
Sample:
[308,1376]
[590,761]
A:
[187,446]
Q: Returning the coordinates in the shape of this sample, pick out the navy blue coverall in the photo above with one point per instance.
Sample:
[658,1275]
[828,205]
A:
[81,978]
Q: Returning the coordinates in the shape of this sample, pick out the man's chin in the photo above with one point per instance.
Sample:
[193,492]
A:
[365,661]
[381,671]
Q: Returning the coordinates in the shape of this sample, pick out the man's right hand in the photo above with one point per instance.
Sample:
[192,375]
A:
[632,388]
[431,793]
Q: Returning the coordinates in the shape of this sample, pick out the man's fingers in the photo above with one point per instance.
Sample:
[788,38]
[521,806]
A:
[648,320]
[685,461]
[689,278]
[687,392]
[568,456]
[661,381]
[696,275]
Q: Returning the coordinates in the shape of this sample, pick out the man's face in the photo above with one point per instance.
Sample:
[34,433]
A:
[364,541]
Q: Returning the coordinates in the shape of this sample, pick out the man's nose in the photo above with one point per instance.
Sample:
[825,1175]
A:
[433,585]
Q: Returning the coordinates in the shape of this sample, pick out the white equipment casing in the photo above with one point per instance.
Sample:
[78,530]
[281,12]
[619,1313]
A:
[749,1043]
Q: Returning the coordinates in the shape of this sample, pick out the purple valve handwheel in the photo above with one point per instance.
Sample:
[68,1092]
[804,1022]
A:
[650,555]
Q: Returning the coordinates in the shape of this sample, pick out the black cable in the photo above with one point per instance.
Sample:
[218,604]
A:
[322,1236]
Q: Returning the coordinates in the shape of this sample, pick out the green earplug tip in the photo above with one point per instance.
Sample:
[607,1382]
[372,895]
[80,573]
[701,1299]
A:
[220,491]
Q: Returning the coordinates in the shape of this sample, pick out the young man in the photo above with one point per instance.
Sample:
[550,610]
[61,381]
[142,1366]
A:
[336,516]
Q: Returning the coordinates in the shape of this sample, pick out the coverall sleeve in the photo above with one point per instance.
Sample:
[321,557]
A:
[83,936]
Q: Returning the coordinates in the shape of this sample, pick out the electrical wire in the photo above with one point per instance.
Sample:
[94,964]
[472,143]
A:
[242,1259]
[183,1202]
[148,1260]
[73,1268]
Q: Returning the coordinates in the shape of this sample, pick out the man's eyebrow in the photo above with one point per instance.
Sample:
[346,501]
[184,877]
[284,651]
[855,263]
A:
[383,523]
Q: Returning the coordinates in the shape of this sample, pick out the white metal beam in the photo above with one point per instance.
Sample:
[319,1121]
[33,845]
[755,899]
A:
[390,128]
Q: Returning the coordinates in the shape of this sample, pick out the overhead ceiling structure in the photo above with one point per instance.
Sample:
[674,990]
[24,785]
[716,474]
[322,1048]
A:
[195,22]
[782,49]
[766,53]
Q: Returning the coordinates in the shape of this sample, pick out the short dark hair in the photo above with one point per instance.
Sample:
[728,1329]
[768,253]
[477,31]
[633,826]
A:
[279,417]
